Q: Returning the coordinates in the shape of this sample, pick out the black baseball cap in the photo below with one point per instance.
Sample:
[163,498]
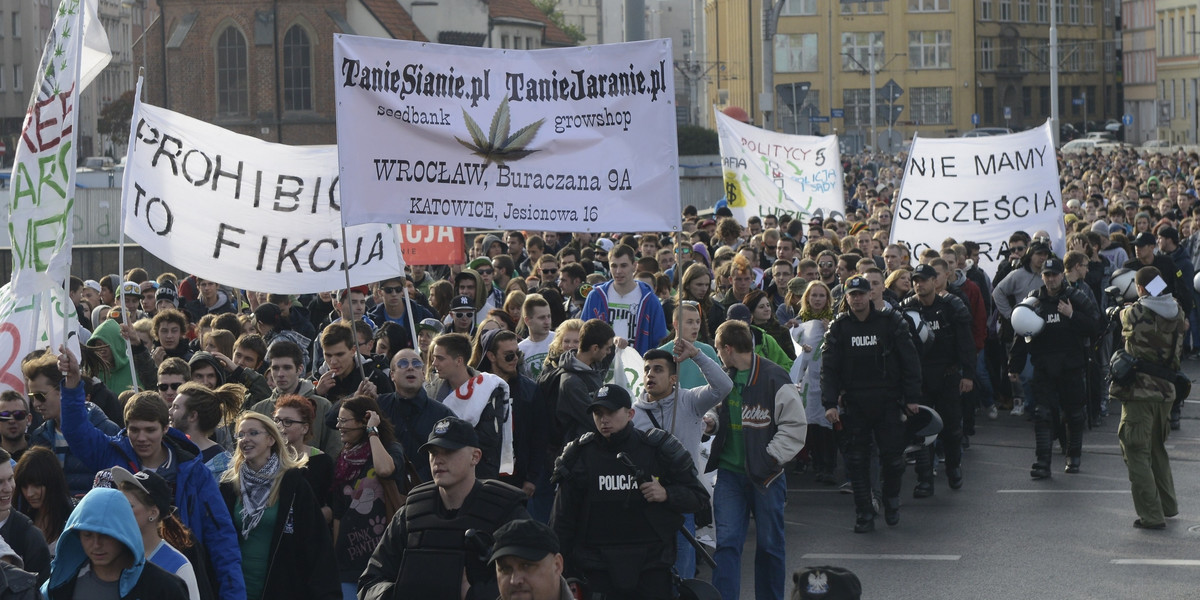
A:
[1144,238]
[524,538]
[149,482]
[461,303]
[612,397]
[924,271]
[858,283]
[1053,265]
[451,433]
[1036,247]
[1170,233]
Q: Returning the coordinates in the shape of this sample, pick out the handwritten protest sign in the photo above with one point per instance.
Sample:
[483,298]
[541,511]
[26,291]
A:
[244,212]
[980,189]
[769,173]
[627,371]
[572,139]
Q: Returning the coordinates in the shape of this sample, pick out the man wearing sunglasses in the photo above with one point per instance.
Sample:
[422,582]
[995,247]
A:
[480,398]
[409,408]
[14,423]
[502,358]
[395,309]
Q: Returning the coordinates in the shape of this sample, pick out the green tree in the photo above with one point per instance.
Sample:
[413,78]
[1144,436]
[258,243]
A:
[550,9]
[694,140]
[114,119]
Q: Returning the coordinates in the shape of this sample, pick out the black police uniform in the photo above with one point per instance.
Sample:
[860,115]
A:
[611,537]
[872,366]
[1059,356]
[946,358]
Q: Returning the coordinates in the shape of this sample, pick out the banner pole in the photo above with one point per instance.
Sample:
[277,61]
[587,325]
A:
[350,313]
[119,297]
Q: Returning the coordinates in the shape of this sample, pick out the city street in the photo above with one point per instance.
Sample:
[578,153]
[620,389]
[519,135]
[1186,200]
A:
[1006,536]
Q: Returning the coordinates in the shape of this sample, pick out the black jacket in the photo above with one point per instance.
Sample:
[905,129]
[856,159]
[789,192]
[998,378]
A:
[27,541]
[16,584]
[154,582]
[419,313]
[413,419]
[601,518]
[1172,275]
[302,563]
[1063,342]
[869,360]
[950,344]
[575,390]
[530,432]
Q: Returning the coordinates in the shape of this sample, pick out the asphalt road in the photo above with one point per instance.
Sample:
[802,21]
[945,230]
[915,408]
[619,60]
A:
[1006,536]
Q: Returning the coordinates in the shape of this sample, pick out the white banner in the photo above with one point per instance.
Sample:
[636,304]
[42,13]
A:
[769,173]
[244,212]
[33,323]
[980,189]
[627,371]
[572,139]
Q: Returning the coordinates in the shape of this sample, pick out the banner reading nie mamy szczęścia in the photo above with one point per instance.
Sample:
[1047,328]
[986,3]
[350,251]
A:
[572,139]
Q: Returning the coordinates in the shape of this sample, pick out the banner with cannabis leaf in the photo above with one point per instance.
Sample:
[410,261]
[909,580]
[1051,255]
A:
[573,139]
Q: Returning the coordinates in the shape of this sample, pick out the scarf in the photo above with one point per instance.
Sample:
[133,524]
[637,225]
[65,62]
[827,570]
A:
[824,315]
[468,402]
[350,463]
[256,490]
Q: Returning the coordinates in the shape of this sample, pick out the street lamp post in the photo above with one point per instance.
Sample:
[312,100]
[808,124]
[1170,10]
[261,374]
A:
[766,102]
[130,4]
[1054,71]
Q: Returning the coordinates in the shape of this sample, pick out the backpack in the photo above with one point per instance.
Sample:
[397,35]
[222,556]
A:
[547,390]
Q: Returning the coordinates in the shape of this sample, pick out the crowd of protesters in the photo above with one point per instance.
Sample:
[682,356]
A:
[267,443]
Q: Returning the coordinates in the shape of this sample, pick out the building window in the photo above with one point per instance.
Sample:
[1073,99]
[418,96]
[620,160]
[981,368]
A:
[529,43]
[930,105]
[18,85]
[987,54]
[857,46]
[1026,101]
[985,10]
[504,41]
[1074,12]
[1044,100]
[1023,11]
[2,67]
[297,70]
[1043,11]
[857,106]
[796,53]
[232,74]
[989,106]
[929,49]
[1006,10]
[928,5]
[1089,56]
[799,7]
[1058,11]
[1089,13]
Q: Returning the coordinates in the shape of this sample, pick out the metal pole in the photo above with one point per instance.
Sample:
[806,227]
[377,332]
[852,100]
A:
[871,68]
[1054,71]
[829,51]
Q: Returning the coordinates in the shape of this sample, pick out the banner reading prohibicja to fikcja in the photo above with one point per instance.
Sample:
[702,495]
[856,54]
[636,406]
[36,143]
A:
[244,212]
[572,139]
[980,189]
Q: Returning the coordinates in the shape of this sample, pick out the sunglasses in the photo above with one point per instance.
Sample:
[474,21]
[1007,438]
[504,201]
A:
[392,290]
[824,264]
[463,314]
[485,271]
[549,271]
[1017,248]
[685,250]
[37,396]
[405,363]
[162,387]
[509,356]
[771,248]
[14,415]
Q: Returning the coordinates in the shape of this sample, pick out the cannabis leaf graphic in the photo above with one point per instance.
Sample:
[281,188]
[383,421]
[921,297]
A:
[497,145]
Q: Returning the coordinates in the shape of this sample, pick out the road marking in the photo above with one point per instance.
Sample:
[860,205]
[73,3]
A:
[1162,562]
[883,556]
[1115,446]
[1062,491]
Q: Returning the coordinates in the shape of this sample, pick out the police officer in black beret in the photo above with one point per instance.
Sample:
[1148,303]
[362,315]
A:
[622,494]
[871,372]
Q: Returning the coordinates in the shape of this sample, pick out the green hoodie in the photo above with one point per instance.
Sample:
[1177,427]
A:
[120,376]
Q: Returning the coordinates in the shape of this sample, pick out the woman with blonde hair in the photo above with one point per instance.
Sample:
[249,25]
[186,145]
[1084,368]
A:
[816,307]
[566,338]
[286,548]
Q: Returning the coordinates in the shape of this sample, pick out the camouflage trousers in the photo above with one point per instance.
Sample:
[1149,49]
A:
[1143,434]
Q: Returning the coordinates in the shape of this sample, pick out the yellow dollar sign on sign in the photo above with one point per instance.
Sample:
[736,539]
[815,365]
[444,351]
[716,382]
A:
[733,189]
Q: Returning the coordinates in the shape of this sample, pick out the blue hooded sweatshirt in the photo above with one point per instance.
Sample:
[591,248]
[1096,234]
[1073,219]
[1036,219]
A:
[197,496]
[104,511]
[651,325]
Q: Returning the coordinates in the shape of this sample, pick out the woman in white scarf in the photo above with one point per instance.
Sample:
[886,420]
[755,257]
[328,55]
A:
[286,548]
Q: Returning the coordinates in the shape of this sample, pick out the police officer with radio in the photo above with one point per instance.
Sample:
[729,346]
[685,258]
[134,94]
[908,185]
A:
[870,379]
[438,544]
[622,494]
[1058,351]
[947,368]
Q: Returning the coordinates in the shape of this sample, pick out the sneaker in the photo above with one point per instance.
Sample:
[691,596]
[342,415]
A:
[1018,408]
[845,488]
[993,412]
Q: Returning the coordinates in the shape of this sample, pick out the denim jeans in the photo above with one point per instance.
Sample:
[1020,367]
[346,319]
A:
[734,497]
[542,503]
[349,591]
[685,554]
[983,382]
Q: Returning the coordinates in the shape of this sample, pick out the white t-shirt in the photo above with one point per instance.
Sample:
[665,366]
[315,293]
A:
[535,354]
[174,562]
[622,311]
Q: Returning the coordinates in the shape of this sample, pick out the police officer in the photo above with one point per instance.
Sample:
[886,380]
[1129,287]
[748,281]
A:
[426,550]
[622,494]
[1059,357]
[872,372]
[947,368]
